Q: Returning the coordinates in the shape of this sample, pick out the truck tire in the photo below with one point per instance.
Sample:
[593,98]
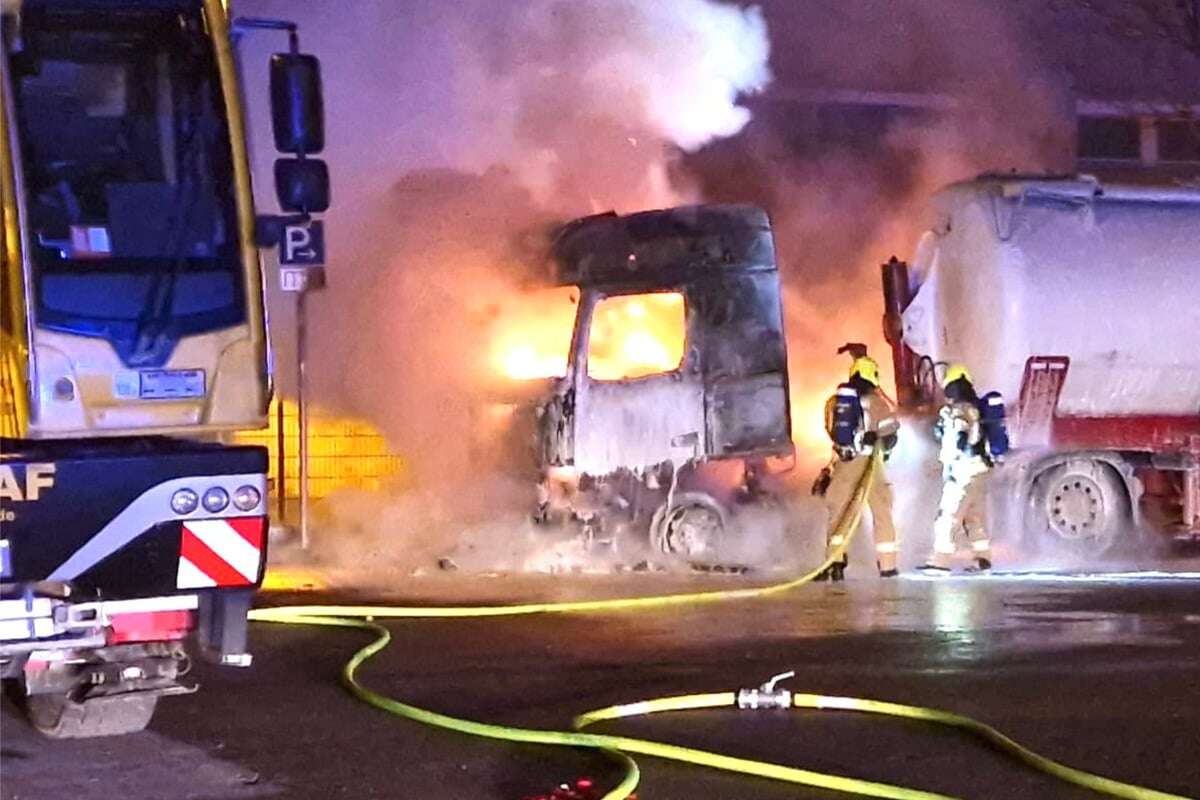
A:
[1082,505]
[692,527]
[57,716]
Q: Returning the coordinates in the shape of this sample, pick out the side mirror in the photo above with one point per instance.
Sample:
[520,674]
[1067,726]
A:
[297,107]
[302,185]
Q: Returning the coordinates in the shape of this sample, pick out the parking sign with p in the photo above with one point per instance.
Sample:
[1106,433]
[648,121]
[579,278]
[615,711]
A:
[303,245]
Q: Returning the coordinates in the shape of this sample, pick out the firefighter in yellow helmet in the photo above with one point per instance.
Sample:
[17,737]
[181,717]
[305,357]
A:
[963,452]
[856,417]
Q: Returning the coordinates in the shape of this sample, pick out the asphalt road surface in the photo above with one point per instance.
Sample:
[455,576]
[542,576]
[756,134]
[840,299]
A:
[1101,674]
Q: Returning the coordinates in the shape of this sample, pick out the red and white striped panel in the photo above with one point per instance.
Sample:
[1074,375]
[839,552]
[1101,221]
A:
[220,552]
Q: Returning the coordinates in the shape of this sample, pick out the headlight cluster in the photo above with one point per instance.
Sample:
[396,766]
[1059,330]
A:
[215,500]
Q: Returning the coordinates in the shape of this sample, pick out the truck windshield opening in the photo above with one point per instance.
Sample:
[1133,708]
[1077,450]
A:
[128,172]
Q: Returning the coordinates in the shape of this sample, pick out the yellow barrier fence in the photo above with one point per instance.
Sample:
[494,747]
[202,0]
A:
[342,452]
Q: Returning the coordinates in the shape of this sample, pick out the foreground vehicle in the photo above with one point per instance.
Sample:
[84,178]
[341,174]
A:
[133,325]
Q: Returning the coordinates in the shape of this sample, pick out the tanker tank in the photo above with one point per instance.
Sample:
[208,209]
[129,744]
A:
[1106,276]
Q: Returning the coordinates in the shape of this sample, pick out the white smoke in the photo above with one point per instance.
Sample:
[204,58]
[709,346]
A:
[584,100]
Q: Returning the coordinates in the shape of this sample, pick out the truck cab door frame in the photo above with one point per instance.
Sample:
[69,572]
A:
[634,423]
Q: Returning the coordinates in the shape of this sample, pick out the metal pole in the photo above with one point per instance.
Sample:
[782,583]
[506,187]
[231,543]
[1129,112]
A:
[302,414]
[280,463]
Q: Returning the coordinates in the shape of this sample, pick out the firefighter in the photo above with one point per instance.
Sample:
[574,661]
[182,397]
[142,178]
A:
[966,451]
[858,416]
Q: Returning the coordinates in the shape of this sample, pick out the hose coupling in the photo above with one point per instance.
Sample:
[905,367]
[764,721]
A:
[767,696]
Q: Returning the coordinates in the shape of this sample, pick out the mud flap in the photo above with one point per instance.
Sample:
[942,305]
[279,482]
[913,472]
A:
[221,632]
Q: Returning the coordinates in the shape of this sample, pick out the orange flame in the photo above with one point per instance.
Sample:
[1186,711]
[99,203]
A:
[631,336]
[636,335]
[531,334]
[808,422]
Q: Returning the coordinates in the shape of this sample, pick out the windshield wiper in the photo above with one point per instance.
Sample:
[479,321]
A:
[150,334]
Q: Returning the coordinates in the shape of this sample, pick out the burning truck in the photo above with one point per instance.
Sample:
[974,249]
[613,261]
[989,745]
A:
[1079,301]
[669,407]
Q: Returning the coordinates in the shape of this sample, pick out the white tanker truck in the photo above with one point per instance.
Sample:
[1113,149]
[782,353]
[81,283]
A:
[1080,302]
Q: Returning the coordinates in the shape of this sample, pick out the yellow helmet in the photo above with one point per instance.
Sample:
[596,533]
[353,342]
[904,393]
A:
[865,368]
[954,372]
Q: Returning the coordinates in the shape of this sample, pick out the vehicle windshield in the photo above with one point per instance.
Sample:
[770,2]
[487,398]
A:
[128,178]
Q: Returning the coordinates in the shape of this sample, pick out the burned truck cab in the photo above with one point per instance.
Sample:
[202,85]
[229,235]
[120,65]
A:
[674,406]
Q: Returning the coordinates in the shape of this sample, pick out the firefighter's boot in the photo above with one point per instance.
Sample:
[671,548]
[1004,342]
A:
[937,564]
[834,572]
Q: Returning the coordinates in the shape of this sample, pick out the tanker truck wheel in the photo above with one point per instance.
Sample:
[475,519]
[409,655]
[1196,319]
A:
[691,528]
[58,716]
[1082,505]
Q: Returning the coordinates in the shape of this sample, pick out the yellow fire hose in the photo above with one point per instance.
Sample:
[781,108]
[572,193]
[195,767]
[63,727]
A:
[362,617]
[978,729]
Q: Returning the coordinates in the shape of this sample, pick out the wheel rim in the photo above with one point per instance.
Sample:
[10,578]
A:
[691,531]
[1075,508]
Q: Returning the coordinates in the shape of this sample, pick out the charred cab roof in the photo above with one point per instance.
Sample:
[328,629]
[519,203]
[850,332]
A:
[662,248]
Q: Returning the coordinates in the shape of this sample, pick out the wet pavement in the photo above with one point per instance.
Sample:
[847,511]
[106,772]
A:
[1100,673]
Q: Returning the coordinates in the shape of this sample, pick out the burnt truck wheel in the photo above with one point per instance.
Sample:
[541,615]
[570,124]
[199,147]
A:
[58,716]
[691,528]
[1082,505]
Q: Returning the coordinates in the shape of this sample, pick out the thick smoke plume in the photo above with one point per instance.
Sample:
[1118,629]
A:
[581,100]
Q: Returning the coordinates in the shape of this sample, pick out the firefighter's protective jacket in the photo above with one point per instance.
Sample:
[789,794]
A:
[961,448]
